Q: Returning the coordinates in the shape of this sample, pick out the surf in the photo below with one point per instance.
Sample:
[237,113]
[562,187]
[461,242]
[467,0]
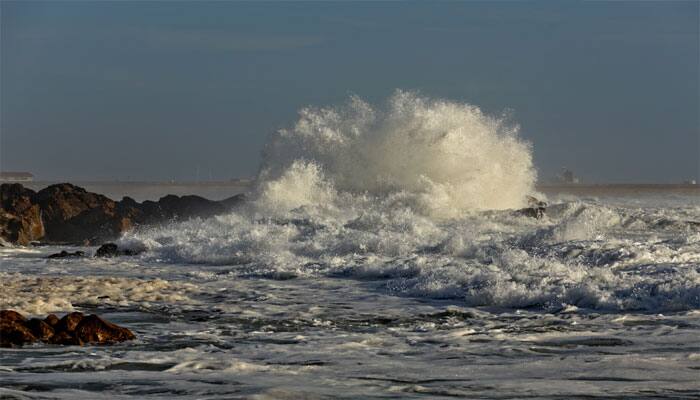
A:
[444,157]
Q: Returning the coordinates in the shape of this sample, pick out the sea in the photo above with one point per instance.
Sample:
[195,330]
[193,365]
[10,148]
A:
[381,255]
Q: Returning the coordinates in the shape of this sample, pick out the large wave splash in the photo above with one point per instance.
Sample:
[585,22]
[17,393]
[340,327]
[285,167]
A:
[444,157]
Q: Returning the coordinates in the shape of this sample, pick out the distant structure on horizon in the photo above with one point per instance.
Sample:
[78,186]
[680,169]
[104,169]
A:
[567,176]
[12,176]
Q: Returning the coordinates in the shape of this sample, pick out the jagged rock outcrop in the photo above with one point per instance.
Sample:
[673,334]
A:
[68,214]
[73,329]
[20,215]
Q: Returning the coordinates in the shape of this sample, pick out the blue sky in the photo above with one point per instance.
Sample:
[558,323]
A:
[158,90]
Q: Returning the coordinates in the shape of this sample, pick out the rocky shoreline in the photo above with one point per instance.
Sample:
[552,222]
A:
[68,214]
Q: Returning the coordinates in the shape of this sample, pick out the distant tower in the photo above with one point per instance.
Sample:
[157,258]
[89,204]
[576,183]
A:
[567,176]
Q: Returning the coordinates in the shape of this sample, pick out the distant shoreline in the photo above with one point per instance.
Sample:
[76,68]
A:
[584,186]
[242,182]
[249,182]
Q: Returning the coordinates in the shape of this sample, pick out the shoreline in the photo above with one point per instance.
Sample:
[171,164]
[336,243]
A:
[249,182]
[220,190]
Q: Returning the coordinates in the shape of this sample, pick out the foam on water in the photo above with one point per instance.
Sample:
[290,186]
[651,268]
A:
[380,256]
[39,295]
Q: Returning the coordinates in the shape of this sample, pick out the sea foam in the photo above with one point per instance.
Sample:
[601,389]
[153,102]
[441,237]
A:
[446,157]
[418,194]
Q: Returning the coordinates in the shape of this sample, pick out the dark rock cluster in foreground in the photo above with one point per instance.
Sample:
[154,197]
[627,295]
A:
[107,250]
[73,329]
[68,214]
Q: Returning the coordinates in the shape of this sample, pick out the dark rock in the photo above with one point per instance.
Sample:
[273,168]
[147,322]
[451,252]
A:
[68,214]
[189,206]
[536,208]
[65,254]
[11,316]
[69,322]
[128,202]
[112,250]
[234,201]
[20,217]
[52,320]
[93,329]
[73,215]
[40,329]
[107,250]
[73,329]
[65,339]
[14,333]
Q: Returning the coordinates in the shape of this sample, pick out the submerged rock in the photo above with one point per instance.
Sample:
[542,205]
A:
[73,329]
[536,208]
[112,250]
[65,254]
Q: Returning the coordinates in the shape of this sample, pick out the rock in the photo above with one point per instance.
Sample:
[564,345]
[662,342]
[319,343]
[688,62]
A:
[174,208]
[112,250]
[189,206]
[73,329]
[40,329]
[52,320]
[68,214]
[73,215]
[65,254]
[93,329]
[15,333]
[107,250]
[536,208]
[11,316]
[65,339]
[20,217]
[234,201]
[69,322]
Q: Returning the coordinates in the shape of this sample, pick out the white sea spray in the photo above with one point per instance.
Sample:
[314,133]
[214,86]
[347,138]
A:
[418,194]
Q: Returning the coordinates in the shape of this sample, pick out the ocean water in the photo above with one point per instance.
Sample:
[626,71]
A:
[381,256]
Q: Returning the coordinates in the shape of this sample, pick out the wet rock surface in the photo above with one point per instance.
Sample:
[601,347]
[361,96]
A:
[536,208]
[66,254]
[68,214]
[112,250]
[20,216]
[73,329]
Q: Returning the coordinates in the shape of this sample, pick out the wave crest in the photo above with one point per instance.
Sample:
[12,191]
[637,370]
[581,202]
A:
[447,157]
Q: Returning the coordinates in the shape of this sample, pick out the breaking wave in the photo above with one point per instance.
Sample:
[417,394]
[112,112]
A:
[416,195]
[446,158]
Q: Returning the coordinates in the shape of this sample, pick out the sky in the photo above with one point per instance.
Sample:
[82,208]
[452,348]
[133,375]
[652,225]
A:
[158,90]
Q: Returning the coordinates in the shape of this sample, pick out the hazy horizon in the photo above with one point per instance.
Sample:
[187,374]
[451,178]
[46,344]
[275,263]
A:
[175,91]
